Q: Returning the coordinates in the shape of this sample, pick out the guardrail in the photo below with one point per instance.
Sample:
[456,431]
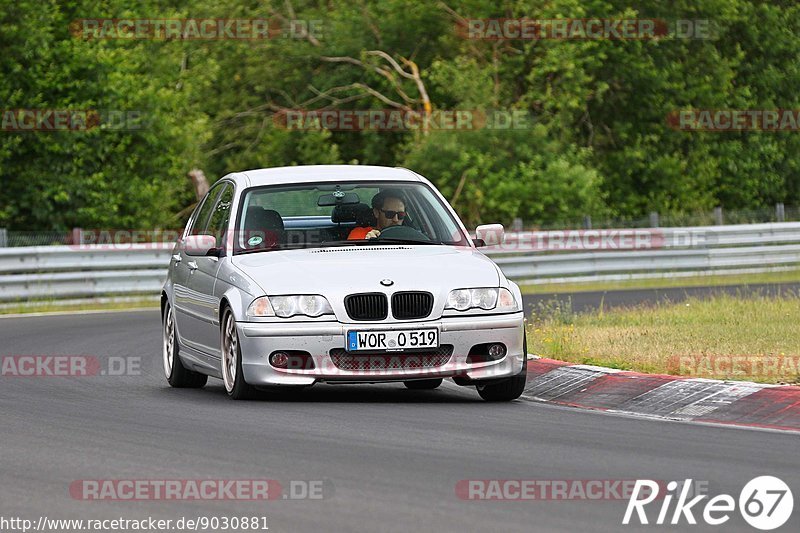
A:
[58,272]
[601,255]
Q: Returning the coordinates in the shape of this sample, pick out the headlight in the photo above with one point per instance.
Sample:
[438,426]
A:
[459,299]
[484,298]
[312,305]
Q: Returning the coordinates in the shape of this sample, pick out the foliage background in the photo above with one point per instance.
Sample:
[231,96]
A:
[600,144]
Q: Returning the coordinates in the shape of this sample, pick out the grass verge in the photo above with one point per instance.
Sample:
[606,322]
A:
[722,337]
[46,306]
[789,276]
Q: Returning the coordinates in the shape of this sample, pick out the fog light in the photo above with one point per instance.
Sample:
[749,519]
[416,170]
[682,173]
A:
[279,359]
[497,351]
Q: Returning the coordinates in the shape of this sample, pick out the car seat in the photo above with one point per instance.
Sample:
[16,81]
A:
[263,228]
[360,213]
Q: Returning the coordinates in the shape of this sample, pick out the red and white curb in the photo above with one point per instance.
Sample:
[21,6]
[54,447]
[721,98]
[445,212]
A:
[662,396]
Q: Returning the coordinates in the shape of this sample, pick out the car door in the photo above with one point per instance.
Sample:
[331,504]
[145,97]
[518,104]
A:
[203,278]
[184,265]
[203,303]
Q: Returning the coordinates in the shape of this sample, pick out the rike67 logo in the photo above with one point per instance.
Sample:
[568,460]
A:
[765,503]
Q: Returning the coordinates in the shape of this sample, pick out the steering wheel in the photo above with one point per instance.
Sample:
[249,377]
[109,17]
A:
[402,232]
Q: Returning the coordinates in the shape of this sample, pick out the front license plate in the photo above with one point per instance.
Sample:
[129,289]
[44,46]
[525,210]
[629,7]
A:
[407,339]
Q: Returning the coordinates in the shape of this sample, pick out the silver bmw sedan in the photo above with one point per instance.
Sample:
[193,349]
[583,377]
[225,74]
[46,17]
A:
[285,277]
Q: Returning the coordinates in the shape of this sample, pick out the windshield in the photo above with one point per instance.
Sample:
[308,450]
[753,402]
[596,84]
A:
[343,214]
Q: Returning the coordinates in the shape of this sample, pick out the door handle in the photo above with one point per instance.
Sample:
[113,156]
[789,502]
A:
[176,258]
[192,265]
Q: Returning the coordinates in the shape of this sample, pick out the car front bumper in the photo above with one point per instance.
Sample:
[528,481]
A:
[258,340]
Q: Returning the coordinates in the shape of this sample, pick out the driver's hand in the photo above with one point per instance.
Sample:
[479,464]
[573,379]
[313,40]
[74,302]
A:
[372,234]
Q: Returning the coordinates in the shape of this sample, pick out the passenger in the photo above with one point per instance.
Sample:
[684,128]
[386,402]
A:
[389,209]
[365,221]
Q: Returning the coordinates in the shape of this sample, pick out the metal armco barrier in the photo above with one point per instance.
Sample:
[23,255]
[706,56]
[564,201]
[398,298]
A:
[56,272]
[619,254]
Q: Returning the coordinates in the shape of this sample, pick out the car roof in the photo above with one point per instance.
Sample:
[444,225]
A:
[322,173]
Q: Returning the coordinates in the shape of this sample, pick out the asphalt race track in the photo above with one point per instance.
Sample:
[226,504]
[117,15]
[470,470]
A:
[389,458]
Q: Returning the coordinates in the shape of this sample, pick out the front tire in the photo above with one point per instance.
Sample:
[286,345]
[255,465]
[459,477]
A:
[177,375]
[510,388]
[235,385]
[423,384]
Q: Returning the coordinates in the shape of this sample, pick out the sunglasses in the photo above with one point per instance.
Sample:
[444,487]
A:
[391,214]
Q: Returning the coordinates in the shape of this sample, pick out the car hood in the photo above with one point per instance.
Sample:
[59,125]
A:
[349,269]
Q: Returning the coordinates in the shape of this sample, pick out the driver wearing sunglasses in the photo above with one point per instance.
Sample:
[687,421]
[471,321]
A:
[389,209]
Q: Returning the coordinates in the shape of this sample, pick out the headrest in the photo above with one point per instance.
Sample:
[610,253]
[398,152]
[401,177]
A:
[258,218]
[263,227]
[361,214]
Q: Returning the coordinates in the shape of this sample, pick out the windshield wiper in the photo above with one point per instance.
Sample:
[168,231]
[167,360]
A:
[272,249]
[333,244]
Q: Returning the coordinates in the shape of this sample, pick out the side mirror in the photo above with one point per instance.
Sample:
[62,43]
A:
[489,235]
[200,245]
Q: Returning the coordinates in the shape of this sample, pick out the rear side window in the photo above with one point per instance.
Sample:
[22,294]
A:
[200,222]
[221,214]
